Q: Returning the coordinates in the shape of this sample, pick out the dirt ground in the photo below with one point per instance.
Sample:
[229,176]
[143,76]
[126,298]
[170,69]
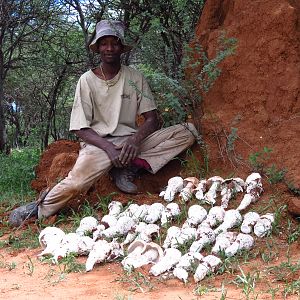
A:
[257,93]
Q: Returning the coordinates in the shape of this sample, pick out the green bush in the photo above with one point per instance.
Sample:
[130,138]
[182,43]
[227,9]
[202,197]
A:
[177,98]
[17,171]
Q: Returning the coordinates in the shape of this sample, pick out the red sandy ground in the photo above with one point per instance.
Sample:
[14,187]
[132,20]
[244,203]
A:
[258,93]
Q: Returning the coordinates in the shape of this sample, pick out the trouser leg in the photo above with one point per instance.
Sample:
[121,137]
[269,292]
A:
[91,163]
[163,145]
[157,149]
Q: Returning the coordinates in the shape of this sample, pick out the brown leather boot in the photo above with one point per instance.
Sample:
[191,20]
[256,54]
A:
[123,179]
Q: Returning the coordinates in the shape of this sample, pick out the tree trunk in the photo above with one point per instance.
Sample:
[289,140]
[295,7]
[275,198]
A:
[2,119]
[53,102]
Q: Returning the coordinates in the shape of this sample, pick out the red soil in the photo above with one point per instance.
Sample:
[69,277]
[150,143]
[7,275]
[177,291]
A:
[257,93]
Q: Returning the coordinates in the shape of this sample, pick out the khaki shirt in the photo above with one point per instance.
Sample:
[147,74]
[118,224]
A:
[111,110]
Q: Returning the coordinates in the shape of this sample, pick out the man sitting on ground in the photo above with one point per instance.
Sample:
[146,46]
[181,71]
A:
[107,101]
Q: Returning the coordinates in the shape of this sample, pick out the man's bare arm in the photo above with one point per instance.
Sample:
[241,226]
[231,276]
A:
[89,136]
[131,147]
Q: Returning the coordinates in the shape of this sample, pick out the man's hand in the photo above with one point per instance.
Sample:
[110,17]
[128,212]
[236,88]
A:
[114,154]
[129,151]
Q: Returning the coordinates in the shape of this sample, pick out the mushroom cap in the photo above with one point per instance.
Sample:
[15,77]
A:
[253,177]
[173,208]
[176,180]
[197,210]
[213,261]
[193,180]
[50,235]
[215,178]
[201,185]
[181,274]
[137,247]
[88,223]
[268,216]
[153,252]
[115,208]
[110,220]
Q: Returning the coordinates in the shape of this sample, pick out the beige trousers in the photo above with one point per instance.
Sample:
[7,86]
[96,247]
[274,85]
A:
[92,163]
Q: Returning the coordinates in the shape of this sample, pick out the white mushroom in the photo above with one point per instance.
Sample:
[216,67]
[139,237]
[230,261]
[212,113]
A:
[130,211]
[186,234]
[246,201]
[204,235]
[154,213]
[209,264]
[167,262]
[254,184]
[185,264]
[215,216]
[201,189]
[263,225]
[98,232]
[123,226]
[187,260]
[223,241]
[232,219]
[211,195]
[50,239]
[141,212]
[87,224]
[172,233]
[109,221]
[98,254]
[69,244]
[141,253]
[150,232]
[196,214]
[231,186]
[115,208]
[249,221]
[171,210]
[103,251]
[181,274]
[137,247]
[116,250]
[85,245]
[175,185]
[189,184]
[242,242]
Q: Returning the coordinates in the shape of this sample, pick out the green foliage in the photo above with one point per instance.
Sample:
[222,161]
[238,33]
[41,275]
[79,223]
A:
[205,71]
[6,265]
[25,239]
[69,264]
[169,96]
[104,202]
[271,251]
[247,282]
[17,171]
[293,233]
[275,175]
[293,189]
[201,290]
[137,281]
[194,166]
[258,159]
[285,272]
[178,97]
[231,139]
[292,288]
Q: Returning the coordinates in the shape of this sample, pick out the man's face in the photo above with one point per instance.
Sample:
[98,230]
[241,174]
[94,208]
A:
[110,49]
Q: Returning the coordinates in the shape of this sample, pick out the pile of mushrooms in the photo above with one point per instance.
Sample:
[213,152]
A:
[133,230]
